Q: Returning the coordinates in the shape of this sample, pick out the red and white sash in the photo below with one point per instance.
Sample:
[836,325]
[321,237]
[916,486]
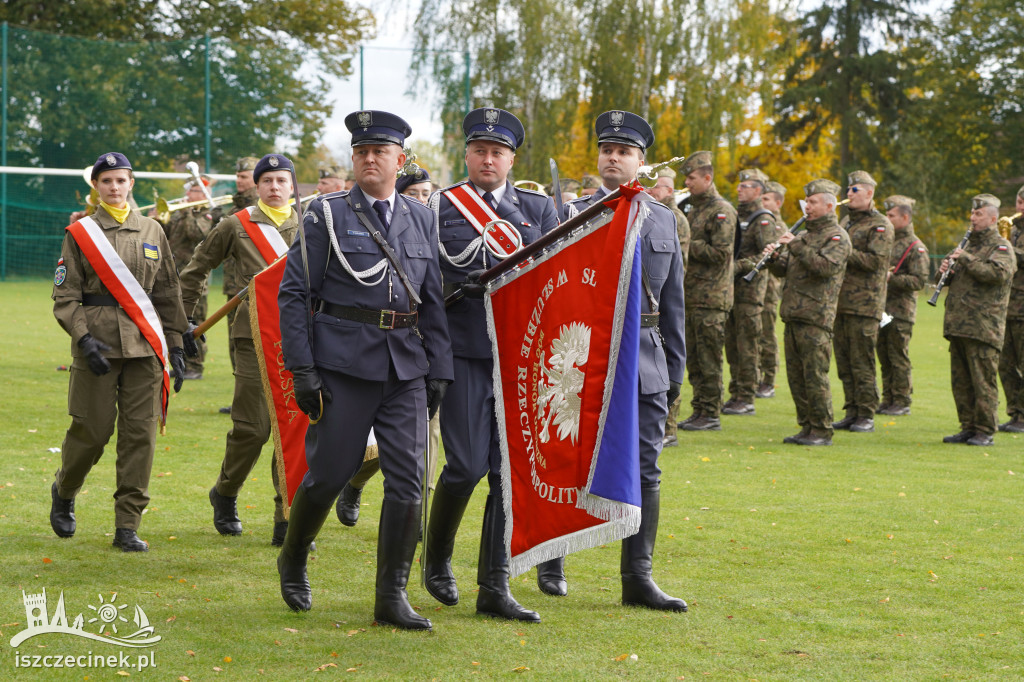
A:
[130,295]
[501,239]
[266,238]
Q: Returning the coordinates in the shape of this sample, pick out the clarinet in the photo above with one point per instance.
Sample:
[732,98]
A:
[749,277]
[942,280]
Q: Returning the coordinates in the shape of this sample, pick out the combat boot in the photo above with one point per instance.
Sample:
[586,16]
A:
[961,437]
[305,520]
[62,514]
[1015,425]
[703,423]
[638,588]
[225,513]
[765,390]
[845,423]
[692,417]
[396,546]
[446,512]
[805,431]
[127,541]
[551,577]
[739,407]
[492,574]
[348,502]
[862,425]
[980,439]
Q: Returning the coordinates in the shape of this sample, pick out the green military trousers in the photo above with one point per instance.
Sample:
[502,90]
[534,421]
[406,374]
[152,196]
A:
[973,368]
[808,354]
[705,336]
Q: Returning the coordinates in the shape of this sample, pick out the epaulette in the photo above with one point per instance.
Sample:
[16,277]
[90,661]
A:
[523,190]
[457,184]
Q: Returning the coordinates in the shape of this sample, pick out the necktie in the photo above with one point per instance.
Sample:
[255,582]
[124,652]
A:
[489,198]
[381,207]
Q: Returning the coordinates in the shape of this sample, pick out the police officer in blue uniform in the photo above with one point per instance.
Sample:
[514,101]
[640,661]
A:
[375,353]
[623,139]
[469,429]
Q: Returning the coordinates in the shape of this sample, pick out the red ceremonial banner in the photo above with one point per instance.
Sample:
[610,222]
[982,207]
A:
[556,324]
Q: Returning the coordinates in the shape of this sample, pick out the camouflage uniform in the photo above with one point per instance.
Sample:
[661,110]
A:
[768,365]
[813,265]
[709,291]
[978,291]
[1011,360]
[909,267]
[743,328]
[185,230]
[861,303]
[683,230]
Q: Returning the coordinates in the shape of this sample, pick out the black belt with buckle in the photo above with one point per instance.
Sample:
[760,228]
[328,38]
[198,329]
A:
[99,299]
[384,319]
[649,319]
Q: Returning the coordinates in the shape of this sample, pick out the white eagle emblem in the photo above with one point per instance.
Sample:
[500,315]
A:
[273,162]
[558,391]
[365,119]
[491,116]
[616,118]
[111,160]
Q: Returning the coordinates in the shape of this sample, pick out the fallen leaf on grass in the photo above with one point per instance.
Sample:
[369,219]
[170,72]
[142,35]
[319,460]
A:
[324,667]
[124,673]
[290,630]
[183,678]
[520,669]
[227,659]
[218,669]
[47,560]
[171,619]
[190,653]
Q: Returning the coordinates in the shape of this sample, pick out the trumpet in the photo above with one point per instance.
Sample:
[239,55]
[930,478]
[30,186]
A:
[1005,224]
[529,184]
[164,208]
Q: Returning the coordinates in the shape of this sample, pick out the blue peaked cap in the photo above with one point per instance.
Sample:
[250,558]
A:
[497,125]
[377,127]
[624,127]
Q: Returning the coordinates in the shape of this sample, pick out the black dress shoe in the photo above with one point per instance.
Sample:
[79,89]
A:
[738,407]
[980,439]
[347,507]
[703,423]
[225,513]
[844,424]
[128,541]
[62,514]
[811,439]
[961,437]
[862,425]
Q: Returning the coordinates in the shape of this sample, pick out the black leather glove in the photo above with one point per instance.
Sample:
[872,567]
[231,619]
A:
[309,390]
[178,365]
[189,342]
[673,392]
[472,288]
[435,394]
[93,349]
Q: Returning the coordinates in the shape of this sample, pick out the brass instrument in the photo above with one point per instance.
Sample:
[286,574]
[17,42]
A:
[529,184]
[409,167]
[164,208]
[1005,224]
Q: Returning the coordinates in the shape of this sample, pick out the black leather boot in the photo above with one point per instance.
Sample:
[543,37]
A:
[396,546]
[348,502]
[638,589]
[62,514]
[446,512]
[551,577]
[225,513]
[495,598]
[126,540]
[304,523]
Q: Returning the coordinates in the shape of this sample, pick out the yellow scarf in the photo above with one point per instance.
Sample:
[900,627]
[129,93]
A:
[278,215]
[119,214]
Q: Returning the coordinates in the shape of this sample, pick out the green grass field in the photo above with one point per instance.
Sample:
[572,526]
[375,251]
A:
[887,556]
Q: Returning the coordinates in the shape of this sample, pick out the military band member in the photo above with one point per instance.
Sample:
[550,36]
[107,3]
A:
[469,429]
[756,229]
[813,263]
[374,358]
[908,274]
[975,321]
[416,186]
[861,303]
[331,179]
[623,139]
[709,290]
[111,258]
[768,365]
[589,184]
[1011,360]
[185,230]
[246,237]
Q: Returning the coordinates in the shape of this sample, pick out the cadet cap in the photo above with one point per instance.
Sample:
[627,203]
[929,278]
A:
[696,161]
[861,178]
[591,182]
[821,186]
[898,200]
[985,200]
[331,172]
[416,177]
[271,162]
[108,162]
[776,187]
[667,172]
[246,163]
[496,125]
[624,127]
[377,127]
[755,174]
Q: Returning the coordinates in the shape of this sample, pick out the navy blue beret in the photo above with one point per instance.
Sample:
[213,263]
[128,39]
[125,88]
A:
[624,127]
[419,175]
[271,162]
[496,125]
[377,127]
[110,161]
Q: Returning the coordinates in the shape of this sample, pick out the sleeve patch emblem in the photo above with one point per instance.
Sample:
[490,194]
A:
[61,274]
[836,238]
